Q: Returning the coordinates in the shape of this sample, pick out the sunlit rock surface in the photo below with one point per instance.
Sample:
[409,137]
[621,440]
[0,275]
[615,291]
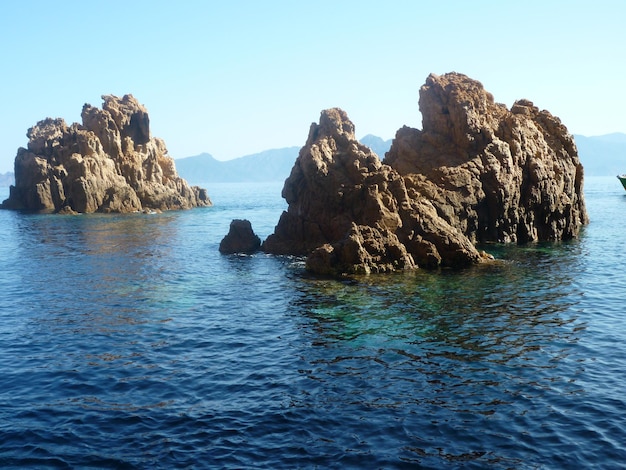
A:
[110,163]
[341,195]
[497,174]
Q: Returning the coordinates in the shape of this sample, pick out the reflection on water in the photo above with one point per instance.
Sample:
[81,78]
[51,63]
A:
[454,307]
[481,353]
[105,265]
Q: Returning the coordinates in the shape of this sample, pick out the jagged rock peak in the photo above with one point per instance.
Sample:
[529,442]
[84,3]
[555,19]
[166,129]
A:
[334,122]
[457,107]
[498,175]
[333,142]
[350,213]
[110,163]
[476,173]
[130,116]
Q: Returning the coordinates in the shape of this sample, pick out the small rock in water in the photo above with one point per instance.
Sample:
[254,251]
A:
[240,238]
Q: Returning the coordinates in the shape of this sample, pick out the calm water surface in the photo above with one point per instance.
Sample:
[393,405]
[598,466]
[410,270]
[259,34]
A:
[130,342]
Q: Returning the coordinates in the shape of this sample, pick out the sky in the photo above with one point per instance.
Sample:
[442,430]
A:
[233,78]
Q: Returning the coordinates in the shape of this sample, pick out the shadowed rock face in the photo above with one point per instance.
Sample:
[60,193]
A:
[477,172]
[240,238]
[498,175]
[110,163]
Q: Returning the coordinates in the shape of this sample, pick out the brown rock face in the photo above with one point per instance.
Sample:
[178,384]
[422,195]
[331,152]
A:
[240,238]
[363,250]
[110,163]
[497,175]
[343,199]
[476,173]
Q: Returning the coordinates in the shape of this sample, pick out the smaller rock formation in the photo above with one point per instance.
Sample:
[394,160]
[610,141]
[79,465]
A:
[240,238]
[110,163]
[364,250]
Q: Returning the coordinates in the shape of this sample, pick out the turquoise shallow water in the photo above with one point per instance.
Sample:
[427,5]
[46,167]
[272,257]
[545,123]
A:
[130,342]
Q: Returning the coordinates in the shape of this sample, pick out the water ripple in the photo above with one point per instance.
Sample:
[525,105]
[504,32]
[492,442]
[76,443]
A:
[129,342]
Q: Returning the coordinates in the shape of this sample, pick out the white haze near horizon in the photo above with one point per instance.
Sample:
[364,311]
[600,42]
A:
[235,78]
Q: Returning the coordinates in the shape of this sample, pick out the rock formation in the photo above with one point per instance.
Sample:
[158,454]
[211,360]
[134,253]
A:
[499,175]
[240,238]
[110,163]
[356,213]
[476,173]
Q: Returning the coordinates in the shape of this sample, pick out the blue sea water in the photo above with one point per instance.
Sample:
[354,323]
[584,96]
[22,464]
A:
[128,341]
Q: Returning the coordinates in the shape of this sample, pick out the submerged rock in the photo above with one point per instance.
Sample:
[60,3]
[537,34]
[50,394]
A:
[110,163]
[476,173]
[240,238]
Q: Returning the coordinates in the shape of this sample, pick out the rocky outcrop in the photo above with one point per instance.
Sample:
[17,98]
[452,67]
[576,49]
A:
[364,250]
[358,211]
[498,175]
[110,163]
[240,238]
[476,173]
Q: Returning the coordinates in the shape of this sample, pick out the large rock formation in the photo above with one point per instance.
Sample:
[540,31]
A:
[110,163]
[497,174]
[477,172]
[356,213]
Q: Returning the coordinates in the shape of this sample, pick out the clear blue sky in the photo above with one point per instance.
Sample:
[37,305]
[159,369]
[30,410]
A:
[236,77]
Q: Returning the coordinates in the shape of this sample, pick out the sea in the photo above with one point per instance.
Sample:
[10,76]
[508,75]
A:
[130,342]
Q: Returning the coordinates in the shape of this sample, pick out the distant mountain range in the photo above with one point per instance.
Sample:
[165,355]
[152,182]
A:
[6,179]
[270,165]
[603,155]
[378,145]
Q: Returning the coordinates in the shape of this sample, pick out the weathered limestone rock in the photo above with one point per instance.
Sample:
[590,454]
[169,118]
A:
[240,238]
[110,163]
[476,173]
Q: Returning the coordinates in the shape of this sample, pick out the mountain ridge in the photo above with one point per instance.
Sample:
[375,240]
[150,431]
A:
[603,155]
[265,166]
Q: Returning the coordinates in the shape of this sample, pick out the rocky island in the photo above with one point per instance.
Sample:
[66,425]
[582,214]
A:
[477,172]
[110,163]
